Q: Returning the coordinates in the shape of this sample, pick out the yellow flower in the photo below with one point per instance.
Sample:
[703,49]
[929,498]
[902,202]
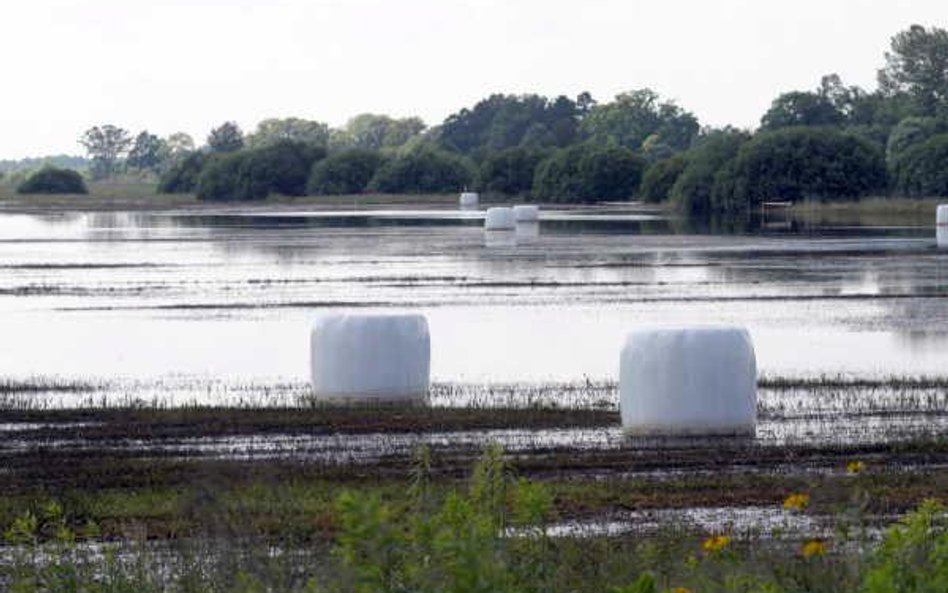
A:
[854,467]
[715,543]
[796,501]
[681,590]
[813,547]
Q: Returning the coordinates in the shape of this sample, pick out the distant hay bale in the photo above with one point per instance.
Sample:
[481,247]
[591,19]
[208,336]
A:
[527,213]
[500,219]
[469,200]
[941,226]
[688,381]
[370,357]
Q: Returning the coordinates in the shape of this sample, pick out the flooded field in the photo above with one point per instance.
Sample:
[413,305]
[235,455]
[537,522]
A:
[232,296]
[182,337]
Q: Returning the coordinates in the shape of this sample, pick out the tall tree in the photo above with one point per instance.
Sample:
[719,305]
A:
[226,137]
[179,144]
[106,145]
[800,108]
[917,65]
[634,116]
[148,152]
[273,130]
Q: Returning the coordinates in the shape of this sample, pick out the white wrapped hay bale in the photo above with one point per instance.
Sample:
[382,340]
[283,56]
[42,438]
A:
[370,357]
[688,381]
[469,200]
[941,226]
[500,218]
[527,213]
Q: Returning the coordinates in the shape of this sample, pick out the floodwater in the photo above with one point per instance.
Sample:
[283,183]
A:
[231,295]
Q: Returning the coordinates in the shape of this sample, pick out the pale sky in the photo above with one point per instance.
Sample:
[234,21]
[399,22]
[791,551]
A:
[189,65]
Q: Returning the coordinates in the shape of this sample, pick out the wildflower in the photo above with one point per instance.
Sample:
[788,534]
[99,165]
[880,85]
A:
[813,547]
[796,501]
[715,543]
[855,467]
[681,590]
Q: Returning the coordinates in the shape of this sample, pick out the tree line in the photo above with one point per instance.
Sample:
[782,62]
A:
[828,143]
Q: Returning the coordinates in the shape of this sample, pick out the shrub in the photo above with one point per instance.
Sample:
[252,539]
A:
[801,163]
[587,173]
[182,176]
[52,180]
[219,180]
[281,167]
[423,171]
[347,172]
[691,192]
[913,557]
[923,168]
[661,177]
[510,171]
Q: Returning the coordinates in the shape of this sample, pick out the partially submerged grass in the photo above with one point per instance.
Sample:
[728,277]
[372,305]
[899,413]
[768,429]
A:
[874,211]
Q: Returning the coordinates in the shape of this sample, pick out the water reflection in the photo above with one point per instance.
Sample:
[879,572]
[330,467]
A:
[144,294]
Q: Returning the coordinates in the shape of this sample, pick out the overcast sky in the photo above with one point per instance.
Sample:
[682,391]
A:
[188,65]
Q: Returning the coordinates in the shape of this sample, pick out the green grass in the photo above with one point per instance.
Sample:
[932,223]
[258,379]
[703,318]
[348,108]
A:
[141,195]
[486,532]
[869,211]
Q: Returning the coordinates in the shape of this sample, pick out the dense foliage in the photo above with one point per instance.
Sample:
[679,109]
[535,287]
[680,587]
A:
[423,171]
[52,180]
[659,179]
[800,163]
[533,146]
[637,116]
[923,169]
[347,172]
[505,121]
[692,190]
[221,179]
[588,173]
[510,171]
[282,167]
[182,176]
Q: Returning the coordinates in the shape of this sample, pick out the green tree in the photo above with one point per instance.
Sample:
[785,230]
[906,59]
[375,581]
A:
[105,145]
[635,116]
[347,172]
[909,132]
[800,108]
[273,130]
[510,171]
[917,66]
[504,121]
[922,170]
[182,175]
[52,180]
[370,131]
[226,137]
[691,193]
[148,152]
[179,144]
[423,171]
[588,173]
[282,167]
[801,163]
[219,180]
[661,177]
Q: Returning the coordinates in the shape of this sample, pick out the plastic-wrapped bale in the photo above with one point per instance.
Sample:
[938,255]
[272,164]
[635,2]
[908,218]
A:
[500,219]
[370,357]
[941,226]
[469,200]
[527,213]
[688,381]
